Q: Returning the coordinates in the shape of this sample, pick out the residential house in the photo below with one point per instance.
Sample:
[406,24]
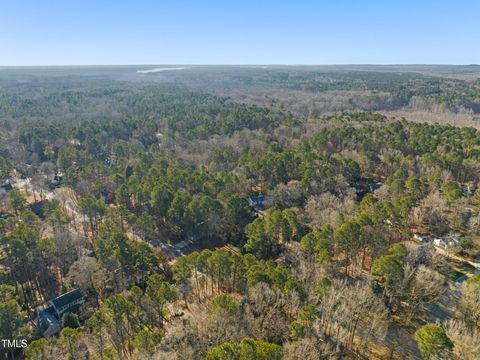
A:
[257,202]
[5,215]
[421,237]
[439,242]
[469,189]
[451,240]
[57,180]
[374,185]
[48,319]
[7,186]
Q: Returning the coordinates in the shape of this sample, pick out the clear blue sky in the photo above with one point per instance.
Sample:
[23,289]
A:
[68,32]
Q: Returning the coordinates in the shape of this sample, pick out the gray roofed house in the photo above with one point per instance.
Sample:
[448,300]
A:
[420,237]
[48,319]
[4,215]
[47,323]
[6,186]
[70,301]
[257,202]
[57,180]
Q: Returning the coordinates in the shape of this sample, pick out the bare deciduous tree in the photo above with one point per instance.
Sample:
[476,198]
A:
[465,338]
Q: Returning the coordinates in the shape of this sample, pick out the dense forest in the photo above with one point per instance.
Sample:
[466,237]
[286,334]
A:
[199,222]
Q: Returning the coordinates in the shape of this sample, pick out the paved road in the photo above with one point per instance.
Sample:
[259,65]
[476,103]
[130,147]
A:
[475,264]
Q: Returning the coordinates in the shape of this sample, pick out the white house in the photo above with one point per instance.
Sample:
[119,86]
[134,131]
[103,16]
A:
[439,242]
[420,237]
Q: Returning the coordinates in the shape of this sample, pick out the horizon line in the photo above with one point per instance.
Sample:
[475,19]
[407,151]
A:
[239,64]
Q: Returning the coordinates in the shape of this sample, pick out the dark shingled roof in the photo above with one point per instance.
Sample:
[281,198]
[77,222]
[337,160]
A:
[39,208]
[6,186]
[257,200]
[45,321]
[67,298]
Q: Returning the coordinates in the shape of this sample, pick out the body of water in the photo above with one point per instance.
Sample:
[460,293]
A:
[159,70]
